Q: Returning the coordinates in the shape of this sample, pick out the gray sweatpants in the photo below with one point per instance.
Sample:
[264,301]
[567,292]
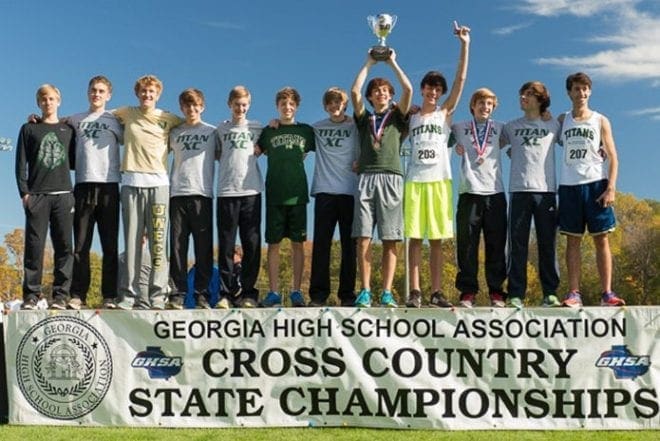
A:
[145,211]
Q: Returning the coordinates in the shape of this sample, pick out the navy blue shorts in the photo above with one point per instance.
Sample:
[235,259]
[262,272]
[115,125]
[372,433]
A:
[578,208]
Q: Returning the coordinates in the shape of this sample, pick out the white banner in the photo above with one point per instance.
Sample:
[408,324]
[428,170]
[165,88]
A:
[482,368]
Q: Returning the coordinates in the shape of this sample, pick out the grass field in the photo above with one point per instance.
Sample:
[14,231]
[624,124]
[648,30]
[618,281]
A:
[38,433]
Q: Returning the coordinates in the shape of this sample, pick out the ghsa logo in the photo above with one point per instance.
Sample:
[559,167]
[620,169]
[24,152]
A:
[157,364]
[624,364]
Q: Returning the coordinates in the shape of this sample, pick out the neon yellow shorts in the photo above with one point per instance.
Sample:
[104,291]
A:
[428,210]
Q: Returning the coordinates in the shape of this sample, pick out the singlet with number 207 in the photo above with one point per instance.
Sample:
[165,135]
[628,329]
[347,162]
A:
[582,162]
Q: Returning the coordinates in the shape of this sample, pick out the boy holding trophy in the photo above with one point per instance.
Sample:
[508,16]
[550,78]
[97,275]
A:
[380,184]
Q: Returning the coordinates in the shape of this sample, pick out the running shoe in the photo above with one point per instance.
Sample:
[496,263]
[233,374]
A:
[414,299]
[573,300]
[272,299]
[363,299]
[611,299]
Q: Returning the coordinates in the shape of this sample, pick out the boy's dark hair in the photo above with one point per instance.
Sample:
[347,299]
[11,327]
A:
[100,79]
[579,78]
[434,79]
[287,93]
[375,83]
[540,92]
[191,96]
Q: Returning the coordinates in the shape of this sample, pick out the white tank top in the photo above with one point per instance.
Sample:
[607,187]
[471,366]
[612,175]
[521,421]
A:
[582,161]
[429,159]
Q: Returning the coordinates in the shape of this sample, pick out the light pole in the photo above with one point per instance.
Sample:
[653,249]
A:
[405,152]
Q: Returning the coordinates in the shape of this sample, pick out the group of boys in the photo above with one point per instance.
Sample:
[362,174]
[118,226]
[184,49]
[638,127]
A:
[358,184]
[154,203]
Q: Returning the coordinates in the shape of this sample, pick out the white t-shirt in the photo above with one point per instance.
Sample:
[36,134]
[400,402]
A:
[98,136]
[193,162]
[238,171]
[337,147]
[532,154]
[480,173]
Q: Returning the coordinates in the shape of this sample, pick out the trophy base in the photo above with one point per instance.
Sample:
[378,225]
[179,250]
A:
[380,53]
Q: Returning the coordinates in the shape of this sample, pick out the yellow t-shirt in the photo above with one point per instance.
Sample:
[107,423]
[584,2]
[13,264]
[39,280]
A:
[145,138]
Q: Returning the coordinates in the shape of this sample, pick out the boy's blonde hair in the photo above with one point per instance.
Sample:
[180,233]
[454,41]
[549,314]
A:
[481,94]
[191,96]
[287,93]
[100,79]
[238,92]
[334,94]
[45,88]
[148,80]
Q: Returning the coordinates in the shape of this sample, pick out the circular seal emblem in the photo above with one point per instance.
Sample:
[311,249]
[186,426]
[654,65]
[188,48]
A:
[64,367]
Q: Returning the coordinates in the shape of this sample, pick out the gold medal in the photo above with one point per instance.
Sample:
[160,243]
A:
[376,145]
[480,160]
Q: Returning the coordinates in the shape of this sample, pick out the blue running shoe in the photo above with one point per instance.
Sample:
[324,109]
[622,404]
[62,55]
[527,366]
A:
[297,299]
[271,299]
[387,300]
[363,299]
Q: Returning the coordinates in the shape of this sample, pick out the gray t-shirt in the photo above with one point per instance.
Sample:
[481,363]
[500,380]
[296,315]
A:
[532,154]
[98,136]
[480,172]
[238,172]
[337,147]
[193,163]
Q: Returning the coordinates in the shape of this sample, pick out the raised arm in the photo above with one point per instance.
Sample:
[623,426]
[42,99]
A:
[463,34]
[358,84]
[406,94]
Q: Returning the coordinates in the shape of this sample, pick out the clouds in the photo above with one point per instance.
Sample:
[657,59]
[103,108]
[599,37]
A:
[652,112]
[579,8]
[508,30]
[631,39]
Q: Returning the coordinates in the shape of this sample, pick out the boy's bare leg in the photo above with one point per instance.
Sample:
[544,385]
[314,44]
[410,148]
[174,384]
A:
[298,257]
[364,261]
[273,266]
[604,261]
[436,261]
[573,262]
[389,263]
[415,260]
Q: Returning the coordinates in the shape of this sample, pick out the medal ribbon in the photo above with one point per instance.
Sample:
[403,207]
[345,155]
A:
[480,142]
[378,129]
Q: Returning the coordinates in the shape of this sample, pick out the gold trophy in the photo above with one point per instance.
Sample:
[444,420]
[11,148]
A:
[382,26]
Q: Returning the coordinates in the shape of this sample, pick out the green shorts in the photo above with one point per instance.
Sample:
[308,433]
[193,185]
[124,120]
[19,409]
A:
[428,211]
[286,221]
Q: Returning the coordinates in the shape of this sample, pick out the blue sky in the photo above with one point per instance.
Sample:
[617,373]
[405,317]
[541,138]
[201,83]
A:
[265,45]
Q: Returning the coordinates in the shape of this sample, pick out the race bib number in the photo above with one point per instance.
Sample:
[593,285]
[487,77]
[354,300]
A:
[426,153]
[576,151]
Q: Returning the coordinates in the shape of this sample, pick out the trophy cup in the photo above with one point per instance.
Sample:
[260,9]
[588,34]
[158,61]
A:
[381,25]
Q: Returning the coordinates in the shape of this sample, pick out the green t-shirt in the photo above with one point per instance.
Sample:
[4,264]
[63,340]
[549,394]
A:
[385,158]
[285,147]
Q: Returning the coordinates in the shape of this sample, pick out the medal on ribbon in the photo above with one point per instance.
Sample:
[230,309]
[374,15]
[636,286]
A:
[378,129]
[480,140]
